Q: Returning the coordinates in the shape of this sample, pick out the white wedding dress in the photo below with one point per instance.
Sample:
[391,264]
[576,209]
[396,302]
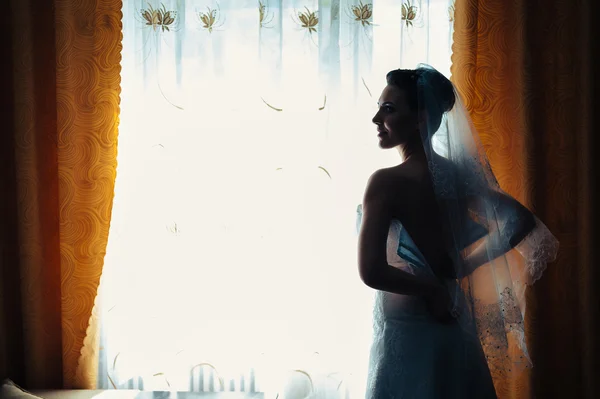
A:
[413,356]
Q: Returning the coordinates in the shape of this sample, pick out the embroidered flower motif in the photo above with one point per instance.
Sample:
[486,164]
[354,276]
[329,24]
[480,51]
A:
[159,18]
[409,13]
[308,20]
[362,13]
[211,19]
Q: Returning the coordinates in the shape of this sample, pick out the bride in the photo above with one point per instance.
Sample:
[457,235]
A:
[448,251]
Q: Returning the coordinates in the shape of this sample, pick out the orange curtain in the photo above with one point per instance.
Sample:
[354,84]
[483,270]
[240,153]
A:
[525,69]
[58,148]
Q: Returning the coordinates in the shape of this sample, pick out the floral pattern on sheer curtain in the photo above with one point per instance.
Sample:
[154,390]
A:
[245,143]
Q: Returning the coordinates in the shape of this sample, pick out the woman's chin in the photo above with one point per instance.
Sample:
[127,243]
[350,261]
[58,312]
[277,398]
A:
[384,144]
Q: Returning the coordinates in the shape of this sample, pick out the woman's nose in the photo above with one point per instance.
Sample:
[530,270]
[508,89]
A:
[376,120]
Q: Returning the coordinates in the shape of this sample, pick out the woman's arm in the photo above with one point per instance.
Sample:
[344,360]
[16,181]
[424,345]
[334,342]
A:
[514,223]
[372,241]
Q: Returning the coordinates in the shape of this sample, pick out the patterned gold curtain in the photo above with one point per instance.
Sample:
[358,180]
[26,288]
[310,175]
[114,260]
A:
[58,160]
[525,71]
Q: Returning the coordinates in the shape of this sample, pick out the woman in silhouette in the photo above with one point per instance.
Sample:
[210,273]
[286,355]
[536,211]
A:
[435,234]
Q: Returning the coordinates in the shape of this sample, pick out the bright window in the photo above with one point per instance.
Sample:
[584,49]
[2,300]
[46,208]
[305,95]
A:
[245,143]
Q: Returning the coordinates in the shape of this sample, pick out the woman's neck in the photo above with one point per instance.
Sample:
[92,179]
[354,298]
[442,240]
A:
[412,151]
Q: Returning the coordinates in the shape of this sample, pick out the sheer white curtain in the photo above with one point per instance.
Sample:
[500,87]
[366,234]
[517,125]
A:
[245,143]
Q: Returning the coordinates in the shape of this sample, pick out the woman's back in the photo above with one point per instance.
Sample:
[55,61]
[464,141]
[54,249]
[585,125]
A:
[415,206]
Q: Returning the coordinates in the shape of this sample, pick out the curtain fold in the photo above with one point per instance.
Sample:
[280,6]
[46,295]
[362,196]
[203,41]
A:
[525,71]
[59,144]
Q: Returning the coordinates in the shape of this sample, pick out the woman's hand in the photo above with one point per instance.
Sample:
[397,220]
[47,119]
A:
[440,305]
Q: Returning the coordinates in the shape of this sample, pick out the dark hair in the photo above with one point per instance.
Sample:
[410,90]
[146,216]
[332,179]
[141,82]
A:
[425,86]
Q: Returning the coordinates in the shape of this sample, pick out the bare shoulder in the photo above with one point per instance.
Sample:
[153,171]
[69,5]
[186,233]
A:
[385,184]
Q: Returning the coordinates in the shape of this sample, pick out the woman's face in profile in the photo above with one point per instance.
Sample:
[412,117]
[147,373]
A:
[396,123]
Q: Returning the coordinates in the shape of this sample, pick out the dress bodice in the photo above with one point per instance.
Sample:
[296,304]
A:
[402,253]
